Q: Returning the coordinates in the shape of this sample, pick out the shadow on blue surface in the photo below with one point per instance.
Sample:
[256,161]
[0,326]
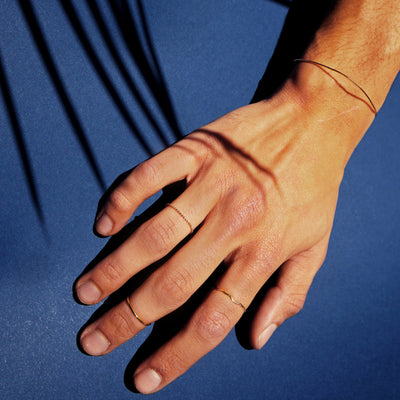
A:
[148,65]
[21,144]
[286,3]
[84,40]
[43,49]
[123,69]
[142,54]
[351,321]
[299,28]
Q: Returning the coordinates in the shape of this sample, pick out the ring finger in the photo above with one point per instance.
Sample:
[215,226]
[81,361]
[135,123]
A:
[208,326]
[164,291]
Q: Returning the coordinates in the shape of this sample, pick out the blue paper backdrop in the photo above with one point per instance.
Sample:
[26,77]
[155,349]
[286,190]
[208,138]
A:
[70,119]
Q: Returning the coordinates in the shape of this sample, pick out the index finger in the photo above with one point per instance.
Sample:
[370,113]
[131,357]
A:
[149,177]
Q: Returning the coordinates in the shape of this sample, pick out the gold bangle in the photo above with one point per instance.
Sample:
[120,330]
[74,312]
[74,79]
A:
[303,60]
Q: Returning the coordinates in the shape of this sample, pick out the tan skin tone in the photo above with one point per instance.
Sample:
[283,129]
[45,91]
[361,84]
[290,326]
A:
[262,186]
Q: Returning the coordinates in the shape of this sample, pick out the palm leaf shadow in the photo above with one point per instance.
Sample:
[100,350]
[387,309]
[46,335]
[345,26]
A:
[149,67]
[118,60]
[143,55]
[50,65]
[165,99]
[298,30]
[86,44]
[21,144]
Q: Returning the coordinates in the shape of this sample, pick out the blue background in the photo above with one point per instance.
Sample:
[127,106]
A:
[345,344]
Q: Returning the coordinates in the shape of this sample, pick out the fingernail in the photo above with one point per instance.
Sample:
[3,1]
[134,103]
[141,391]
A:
[265,335]
[88,293]
[147,381]
[95,343]
[104,225]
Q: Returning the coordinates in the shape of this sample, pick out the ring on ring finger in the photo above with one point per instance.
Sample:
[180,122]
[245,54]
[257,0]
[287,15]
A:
[233,300]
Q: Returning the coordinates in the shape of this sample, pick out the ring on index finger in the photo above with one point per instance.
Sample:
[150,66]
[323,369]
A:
[181,215]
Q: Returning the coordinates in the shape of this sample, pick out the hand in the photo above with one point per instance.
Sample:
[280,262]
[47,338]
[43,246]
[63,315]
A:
[261,191]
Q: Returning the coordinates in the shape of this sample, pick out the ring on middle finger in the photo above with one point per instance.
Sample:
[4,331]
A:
[134,313]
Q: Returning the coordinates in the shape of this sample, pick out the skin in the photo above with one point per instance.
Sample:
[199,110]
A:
[261,190]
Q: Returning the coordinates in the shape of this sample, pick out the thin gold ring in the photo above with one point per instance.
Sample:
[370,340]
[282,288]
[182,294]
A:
[134,313]
[182,216]
[238,303]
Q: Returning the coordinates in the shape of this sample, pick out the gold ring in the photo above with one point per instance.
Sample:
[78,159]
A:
[134,313]
[238,303]
[182,216]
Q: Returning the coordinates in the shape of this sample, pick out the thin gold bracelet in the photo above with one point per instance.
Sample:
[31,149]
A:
[303,60]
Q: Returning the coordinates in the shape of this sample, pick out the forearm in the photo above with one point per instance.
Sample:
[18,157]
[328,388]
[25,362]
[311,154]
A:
[362,39]
[359,38]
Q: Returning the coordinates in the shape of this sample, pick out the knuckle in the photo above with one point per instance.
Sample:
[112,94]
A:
[147,173]
[192,149]
[253,208]
[246,211]
[158,236]
[121,326]
[294,303]
[111,272]
[173,362]
[235,115]
[260,267]
[210,144]
[267,181]
[212,326]
[269,260]
[119,200]
[224,183]
[175,288]
[238,120]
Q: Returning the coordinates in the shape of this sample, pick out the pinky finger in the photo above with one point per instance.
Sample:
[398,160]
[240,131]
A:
[286,298]
[169,166]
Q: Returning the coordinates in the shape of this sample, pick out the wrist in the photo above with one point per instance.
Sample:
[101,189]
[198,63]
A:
[335,103]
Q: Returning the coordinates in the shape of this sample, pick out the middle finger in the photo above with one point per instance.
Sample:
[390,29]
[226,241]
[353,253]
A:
[164,291]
